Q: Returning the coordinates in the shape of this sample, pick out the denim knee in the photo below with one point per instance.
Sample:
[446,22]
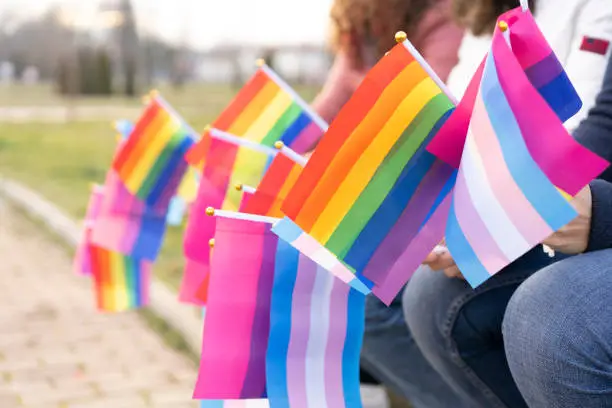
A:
[557,333]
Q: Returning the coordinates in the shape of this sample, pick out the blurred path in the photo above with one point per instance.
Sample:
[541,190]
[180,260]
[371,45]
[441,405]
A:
[57,351]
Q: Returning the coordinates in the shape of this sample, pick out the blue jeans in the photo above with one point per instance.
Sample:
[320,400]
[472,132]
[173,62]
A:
[458,330]
[558,334]
[391,356]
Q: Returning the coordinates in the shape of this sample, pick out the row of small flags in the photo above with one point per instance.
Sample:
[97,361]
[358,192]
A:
[282,250]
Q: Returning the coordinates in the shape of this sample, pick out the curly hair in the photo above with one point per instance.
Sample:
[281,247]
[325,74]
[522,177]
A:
[355,23]
[479,16]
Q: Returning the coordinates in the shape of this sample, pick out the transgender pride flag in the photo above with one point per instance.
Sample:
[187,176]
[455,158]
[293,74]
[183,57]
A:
[517,168]
[316,328]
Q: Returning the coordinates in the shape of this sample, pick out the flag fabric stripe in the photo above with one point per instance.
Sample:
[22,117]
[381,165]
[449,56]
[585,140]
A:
[290,232]
[375,265]
[317,323]
[533,54]
[124,224]
[490,210]
[320,326]
[136,144]
[372,157]
[363,100]
[135,178]
[253,110]
[283,123]
[300,325]
[82,259]
[381,118]
[376,192]
[224,164]
[120,282]
[230,320]
[274,187]
[476,208]
[540,136]
[148,160]
[255,378]
[428,237]
[508,191]
[294,132]
[250,403]
[307,138]
[475,231]
[287,329]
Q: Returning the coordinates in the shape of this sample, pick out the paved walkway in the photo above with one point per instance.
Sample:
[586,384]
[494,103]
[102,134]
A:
[56,351]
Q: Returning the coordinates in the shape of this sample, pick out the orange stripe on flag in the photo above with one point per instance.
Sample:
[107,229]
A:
[356,108]
[360,138]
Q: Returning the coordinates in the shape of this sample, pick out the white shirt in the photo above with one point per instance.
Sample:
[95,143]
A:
[564,23]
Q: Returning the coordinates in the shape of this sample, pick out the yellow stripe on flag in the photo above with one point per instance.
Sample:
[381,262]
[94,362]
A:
[151,155]
[362,172]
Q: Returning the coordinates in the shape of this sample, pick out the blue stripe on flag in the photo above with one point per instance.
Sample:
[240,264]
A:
[463,254]
[287,230]
[355,326]
[534,184]
[294,130]
[285,275]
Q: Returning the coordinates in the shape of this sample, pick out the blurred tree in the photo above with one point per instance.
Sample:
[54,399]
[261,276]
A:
[129,47]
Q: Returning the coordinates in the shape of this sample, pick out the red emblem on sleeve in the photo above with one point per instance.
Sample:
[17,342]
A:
[596,45]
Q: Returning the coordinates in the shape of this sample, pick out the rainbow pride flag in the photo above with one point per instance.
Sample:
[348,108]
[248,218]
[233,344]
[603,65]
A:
[237,323]
[543,70]
[252,403]
[120,282]
[151,162]
[371,168]
[317,325]
[517,161]
[265,111]
[126,225]
[82,261]
[274,187]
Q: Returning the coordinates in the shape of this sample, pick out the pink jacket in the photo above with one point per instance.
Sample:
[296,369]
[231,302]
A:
[437,39]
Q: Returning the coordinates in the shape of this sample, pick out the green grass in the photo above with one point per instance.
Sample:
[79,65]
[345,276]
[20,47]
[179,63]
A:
[62,160]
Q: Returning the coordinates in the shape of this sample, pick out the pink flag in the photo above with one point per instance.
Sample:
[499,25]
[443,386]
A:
[237,323]
[82,260]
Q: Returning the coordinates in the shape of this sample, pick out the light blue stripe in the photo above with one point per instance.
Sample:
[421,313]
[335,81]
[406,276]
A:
[212,404]
[285,275]
[355,326]
[538,189]
[463,254]
[287,230]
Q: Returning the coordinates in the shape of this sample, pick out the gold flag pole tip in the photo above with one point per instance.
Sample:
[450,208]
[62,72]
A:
[279,145]
[400,37]
[211,243]
[260,62]
[210,211]
[503,26]
[238,187]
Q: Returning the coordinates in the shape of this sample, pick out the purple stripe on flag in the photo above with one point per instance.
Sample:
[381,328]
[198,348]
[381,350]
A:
[336,338]
[300,332]
[544,71]
[307,138]
[430,235]
[255,378]
[474,229]
[407,227]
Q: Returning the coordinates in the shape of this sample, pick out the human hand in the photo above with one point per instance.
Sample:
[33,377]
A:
[440,259]
[573,238]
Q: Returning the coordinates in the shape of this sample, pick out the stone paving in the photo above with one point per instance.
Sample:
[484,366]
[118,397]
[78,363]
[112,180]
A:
[57,351]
